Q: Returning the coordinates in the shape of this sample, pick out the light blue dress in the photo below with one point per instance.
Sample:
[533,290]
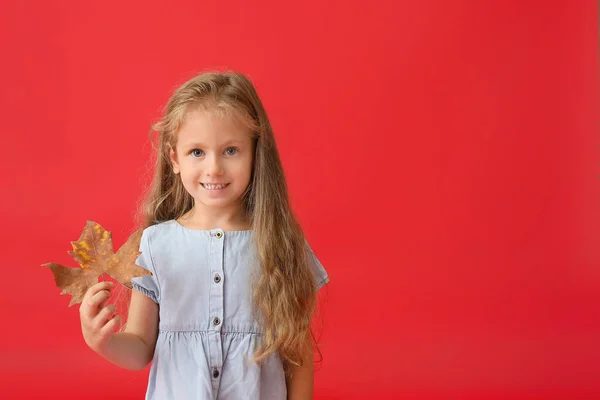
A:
[207,330]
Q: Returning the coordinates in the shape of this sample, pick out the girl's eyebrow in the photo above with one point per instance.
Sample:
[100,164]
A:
[227,143]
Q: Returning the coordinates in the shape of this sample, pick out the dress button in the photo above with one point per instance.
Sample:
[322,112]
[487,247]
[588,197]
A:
[216,321]
[217,278]
[219,235]
[215,373]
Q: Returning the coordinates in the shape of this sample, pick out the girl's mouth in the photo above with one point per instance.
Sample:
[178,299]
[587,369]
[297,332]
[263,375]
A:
[219,186]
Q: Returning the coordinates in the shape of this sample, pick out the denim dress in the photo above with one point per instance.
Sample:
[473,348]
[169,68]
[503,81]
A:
[201,280]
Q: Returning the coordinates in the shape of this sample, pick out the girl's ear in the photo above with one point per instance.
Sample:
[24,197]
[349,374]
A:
[173,157]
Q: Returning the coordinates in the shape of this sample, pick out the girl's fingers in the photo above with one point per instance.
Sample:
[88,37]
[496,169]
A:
[106,285]
[104,316]
[111,325]
[99,298]
[95,297]
[91,307]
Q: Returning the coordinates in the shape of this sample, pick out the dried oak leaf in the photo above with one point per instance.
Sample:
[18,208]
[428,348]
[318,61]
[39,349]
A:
[94,252]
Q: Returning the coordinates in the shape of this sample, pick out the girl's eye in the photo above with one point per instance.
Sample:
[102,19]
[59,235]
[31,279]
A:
[231,151]
[196,153]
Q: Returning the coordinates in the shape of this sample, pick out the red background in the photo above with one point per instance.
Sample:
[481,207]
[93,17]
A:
[442,157]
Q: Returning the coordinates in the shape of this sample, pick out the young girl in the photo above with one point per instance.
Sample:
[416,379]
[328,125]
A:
[226,312]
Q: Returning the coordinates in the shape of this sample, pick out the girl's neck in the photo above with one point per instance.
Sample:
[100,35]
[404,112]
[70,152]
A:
[227,220]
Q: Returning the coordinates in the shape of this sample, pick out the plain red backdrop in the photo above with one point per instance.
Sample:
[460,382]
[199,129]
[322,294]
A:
[442,157]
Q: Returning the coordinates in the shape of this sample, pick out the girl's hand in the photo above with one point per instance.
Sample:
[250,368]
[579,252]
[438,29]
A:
[97,322]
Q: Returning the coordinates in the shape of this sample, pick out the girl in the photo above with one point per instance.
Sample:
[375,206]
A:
[227,310]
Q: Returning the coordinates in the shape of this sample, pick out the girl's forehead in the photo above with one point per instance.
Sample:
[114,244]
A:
[213,125]
[227,114]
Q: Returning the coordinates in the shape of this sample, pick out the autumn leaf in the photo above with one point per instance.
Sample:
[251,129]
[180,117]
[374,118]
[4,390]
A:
[94,253]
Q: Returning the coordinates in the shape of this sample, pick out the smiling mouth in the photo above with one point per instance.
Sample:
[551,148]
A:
[214,187]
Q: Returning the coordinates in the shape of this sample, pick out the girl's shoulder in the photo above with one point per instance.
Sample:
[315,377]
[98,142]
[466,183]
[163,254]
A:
[160,226]
[161,231]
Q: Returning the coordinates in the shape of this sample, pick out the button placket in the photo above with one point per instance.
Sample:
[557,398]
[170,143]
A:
[219,235]
[216,306]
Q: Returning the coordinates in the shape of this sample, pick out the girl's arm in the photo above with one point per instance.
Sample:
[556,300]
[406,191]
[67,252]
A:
[301,382]
[132,349]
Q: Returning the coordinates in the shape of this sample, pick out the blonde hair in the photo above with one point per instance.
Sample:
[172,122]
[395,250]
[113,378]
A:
[285,288]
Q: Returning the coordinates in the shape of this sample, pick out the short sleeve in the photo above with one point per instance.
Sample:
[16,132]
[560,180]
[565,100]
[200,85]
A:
[319,271]
[146,284]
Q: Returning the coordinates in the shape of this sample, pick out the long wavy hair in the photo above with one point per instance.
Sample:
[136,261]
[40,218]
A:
[285,289]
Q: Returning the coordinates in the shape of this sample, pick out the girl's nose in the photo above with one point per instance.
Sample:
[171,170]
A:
[214,166]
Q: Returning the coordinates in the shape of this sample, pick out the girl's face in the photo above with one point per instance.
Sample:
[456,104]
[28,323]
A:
[214,156]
